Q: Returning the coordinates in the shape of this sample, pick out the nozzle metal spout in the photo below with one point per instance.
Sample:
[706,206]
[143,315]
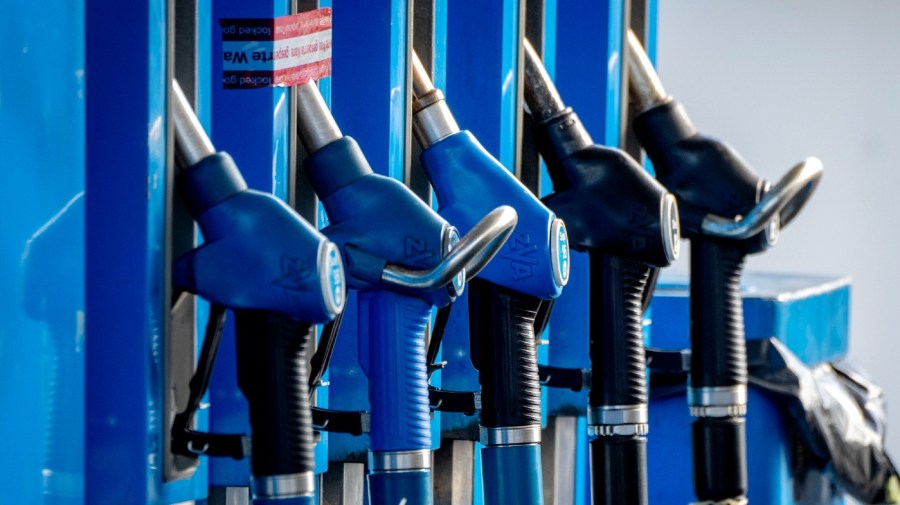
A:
[646,88]
[316,125]
[541,95]
[191,140]
[432,119]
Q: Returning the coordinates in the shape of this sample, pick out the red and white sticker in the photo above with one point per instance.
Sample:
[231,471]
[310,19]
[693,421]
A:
[283,51]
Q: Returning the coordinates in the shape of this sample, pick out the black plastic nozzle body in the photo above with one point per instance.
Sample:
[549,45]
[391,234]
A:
[627,223]
[273,374]
[709,177]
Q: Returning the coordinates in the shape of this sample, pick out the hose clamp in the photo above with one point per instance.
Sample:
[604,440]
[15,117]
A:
[511,435]
[719,401]
[618,420]
[740,500]
[400,461]
[284,486]
[434,122]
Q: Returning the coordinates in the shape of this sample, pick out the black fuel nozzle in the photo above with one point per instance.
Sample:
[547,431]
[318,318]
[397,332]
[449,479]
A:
[727,212]
[629,224]
[720,195]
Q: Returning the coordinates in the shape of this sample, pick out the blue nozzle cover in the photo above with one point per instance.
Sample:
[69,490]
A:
[210,181]
[469,183]
[258,253]
[375,219]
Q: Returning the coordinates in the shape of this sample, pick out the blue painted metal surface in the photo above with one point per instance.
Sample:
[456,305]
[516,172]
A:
[253,127]
[42,314]
[126,150]
[810,314]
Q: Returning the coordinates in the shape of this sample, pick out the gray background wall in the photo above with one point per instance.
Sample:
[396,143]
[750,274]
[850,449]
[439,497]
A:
[782,80]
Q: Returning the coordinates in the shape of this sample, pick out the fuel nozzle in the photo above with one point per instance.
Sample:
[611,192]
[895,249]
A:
[628,223]
[727,212]
[719,193]
[504,299]
[592,183]
[377,251]
[280,276]
[276,260]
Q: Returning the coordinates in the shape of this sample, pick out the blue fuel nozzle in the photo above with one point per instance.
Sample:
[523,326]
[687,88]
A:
[279,275]
[403,258]
[535,261]
[257,252]
[505,297]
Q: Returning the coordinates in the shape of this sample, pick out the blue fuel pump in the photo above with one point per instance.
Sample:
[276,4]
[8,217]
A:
[403,258]
[727,212]
[628,223]
[279,276]
[531,269]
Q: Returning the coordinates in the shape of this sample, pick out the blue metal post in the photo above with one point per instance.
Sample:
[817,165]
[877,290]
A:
[126,150]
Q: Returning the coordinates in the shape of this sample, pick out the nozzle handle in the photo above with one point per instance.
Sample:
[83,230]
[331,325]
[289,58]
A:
[502,339]
[393,357]
[778,205]
[273,374]
[470,255]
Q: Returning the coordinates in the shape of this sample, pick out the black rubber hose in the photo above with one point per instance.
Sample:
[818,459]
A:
[273,374]
[501,325]
[720,460]
[624,479]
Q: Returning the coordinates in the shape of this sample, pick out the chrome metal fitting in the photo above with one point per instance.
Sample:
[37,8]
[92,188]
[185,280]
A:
[618,420]
[511,435]
[719,401]
[284,486]
[741,500]
[619,430]
[433,123]
[400,461]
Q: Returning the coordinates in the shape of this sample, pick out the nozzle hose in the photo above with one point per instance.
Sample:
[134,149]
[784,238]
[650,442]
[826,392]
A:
[541,95]
[646,88]
[315,124]
[191,140]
